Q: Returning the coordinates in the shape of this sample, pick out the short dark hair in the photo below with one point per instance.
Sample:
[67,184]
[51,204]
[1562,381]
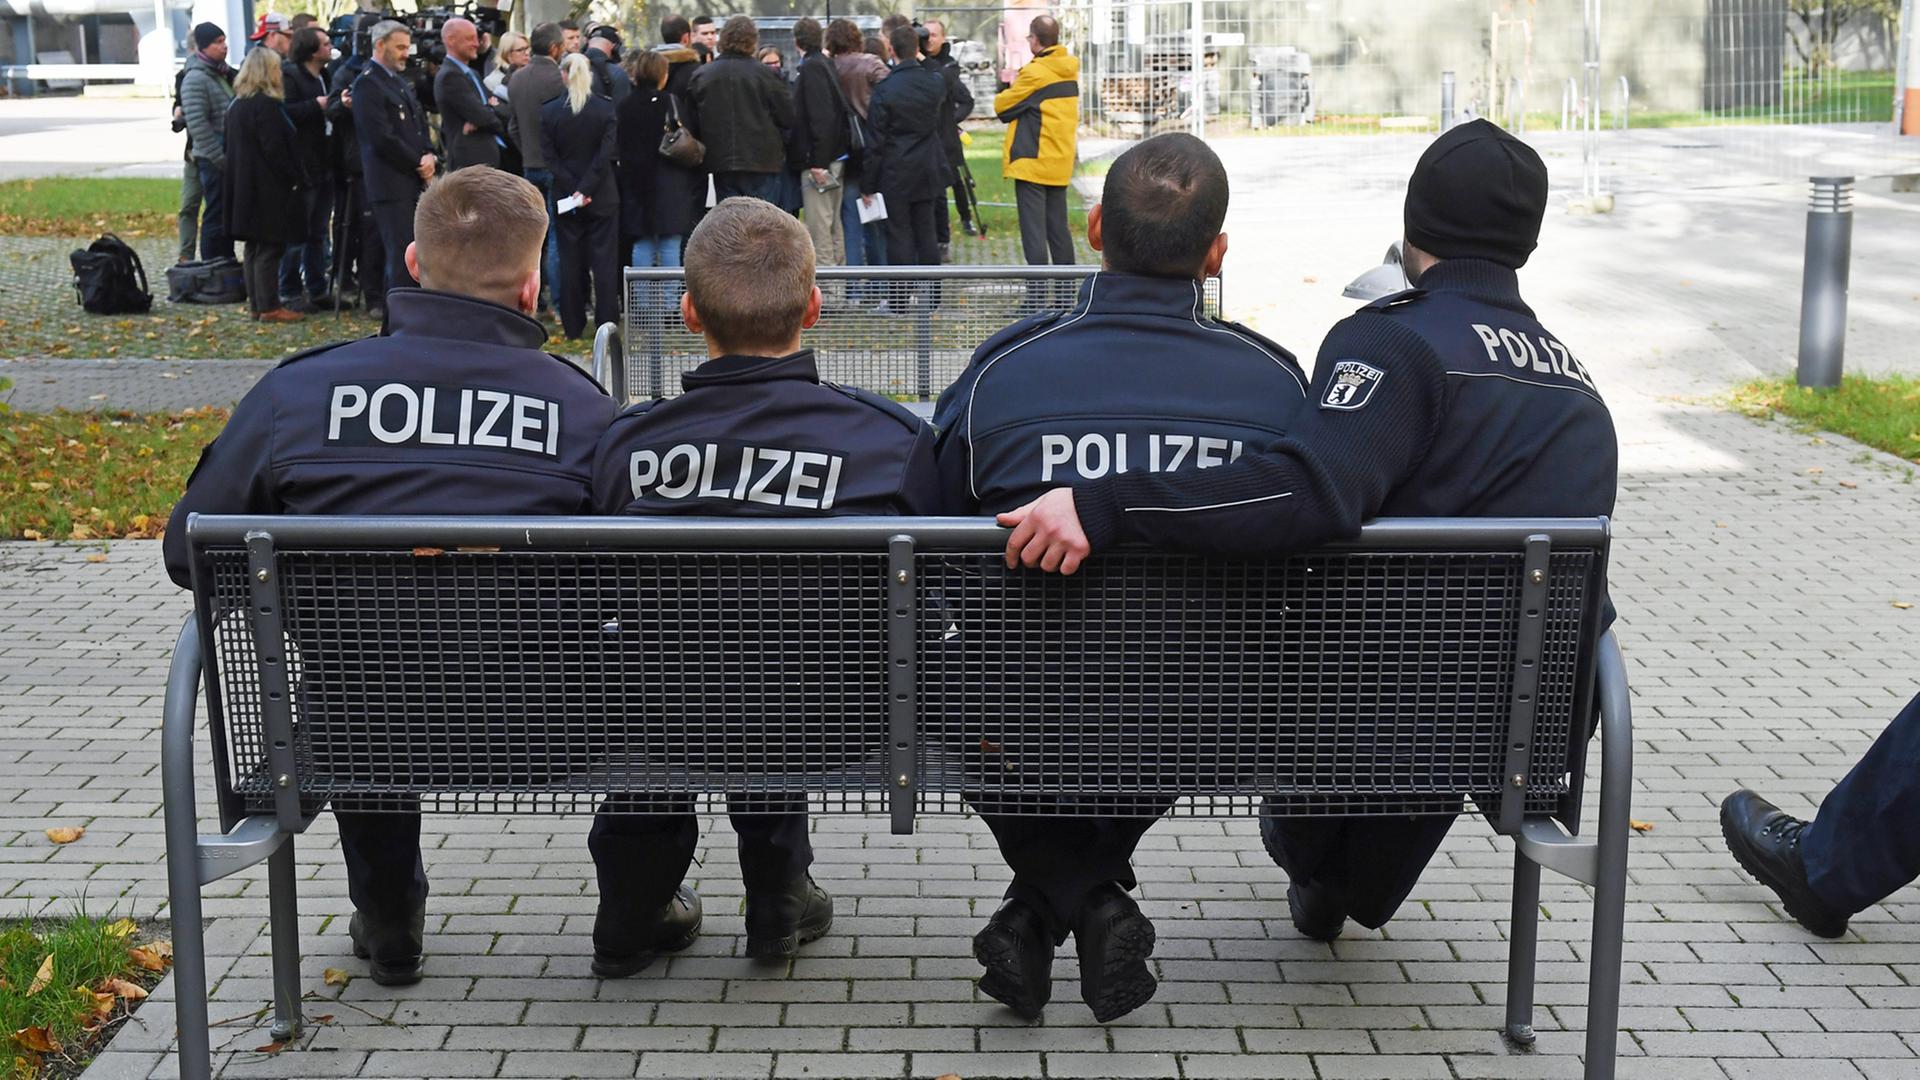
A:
[1164,202]
[569,24]
[303,20]
[739,35]
[647,67]
[1045,30]
[806,34]
[875,46]
[673,28]
[906,43]
[843,37]
[887,24]
[306,43]
[544,38]
[702,20]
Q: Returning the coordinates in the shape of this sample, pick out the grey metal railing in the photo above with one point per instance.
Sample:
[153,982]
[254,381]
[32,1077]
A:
[891,665]
[902,331]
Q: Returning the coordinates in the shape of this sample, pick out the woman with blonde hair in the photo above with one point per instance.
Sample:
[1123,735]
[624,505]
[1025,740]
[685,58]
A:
[577,138]
[264,181]
[515,51]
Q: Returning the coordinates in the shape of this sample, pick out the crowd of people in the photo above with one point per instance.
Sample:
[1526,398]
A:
[314,152]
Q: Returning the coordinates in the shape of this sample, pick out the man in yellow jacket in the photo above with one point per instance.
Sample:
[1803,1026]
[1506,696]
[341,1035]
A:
[1042,113]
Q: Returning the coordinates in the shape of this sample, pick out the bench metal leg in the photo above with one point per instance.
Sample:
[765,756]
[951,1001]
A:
[1610,890]
[1522,946]
[183,857]
[285,922]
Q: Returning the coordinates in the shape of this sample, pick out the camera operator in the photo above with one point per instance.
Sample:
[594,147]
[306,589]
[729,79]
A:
[303,270]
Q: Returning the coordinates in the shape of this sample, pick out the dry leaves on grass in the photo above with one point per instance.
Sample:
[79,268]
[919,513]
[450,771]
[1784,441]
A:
[121,988]
[152,957]
[99,1004]
[42,977]
[66,834]
[37,1039]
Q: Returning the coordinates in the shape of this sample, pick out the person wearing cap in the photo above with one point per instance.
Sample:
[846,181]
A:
[275,31]
[206,90]
[603,52]
[1446,400]
[1860,848]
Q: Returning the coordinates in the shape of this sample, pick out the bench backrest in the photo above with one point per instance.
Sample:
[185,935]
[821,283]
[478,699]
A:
[911,351]
[890,665]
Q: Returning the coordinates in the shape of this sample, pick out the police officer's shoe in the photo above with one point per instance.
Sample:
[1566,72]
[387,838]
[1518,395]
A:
[1315,912]
[1114,940]
[780,921]
[622,948]
[1017,952]
[1766,842]
[392,947]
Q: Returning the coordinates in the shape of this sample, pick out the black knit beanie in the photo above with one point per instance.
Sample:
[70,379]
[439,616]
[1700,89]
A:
[206,34]
[1477,193]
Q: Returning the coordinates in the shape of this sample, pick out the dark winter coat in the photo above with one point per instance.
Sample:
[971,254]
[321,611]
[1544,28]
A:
[820,128]
[579,149]
[742,112]
[906,114]
[262,173]
[309,119]
[657,197]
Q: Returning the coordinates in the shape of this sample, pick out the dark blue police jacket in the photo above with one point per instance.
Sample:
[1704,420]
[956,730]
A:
[452,409]
[1447,400]
[1133,381]
[759,436]
[392,130]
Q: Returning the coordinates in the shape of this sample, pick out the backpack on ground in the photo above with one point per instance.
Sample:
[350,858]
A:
[108,278]
[207,281]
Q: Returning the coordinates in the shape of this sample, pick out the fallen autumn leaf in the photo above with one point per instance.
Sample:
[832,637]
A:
[42,977]
[1640,826]
[37,1039]
[66,834]
[132,991]
[336,977]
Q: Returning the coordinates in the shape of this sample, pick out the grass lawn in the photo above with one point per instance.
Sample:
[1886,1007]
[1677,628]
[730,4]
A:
[95,476]
[1882,413]
[70,206]
[64,986]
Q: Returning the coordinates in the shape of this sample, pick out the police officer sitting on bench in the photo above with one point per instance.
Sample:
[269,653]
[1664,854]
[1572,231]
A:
[756,434]
[386,425]
[1448,399]
[1132,380]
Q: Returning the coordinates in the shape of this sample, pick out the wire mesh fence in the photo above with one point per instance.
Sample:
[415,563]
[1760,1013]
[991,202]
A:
[906,332]
[644,662]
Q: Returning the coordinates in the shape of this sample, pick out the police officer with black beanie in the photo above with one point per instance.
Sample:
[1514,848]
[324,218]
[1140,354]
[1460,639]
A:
[1446,400]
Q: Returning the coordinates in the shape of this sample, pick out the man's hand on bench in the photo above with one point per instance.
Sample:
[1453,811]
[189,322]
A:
[1047,534]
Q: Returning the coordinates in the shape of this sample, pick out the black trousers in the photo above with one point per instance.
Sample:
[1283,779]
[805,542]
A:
[910,239]
[1865,842]
[1044,236]
[386,878]
[589,245]
[1368,864]
[640,858]
[394,220]
[261,265]
[1057,859]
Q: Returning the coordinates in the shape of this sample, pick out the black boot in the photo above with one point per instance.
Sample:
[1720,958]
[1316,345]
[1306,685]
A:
[779,922]
[1114,940]
[1315,912]
[1017,952]
[623,950]
[394,948]
[1766,841]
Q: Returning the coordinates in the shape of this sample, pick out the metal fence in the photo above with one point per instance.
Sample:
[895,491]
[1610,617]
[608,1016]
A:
[903,331]
[539,664]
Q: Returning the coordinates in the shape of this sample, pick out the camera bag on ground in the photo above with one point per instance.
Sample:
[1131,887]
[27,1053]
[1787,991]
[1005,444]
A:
[108,278]
[207,281]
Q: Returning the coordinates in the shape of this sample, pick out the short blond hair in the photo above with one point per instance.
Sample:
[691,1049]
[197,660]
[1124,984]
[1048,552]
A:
[750,274]
[478,232]
[260,74]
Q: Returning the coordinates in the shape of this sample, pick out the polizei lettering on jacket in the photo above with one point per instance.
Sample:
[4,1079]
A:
[1091,457]
[414,414]
[1531,352]
[770,475]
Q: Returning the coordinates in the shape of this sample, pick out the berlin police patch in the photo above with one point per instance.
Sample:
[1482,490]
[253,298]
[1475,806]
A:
[1352,386]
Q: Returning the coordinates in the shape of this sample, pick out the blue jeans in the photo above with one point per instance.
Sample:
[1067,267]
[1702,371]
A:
[310,261]
[656,251]
[850,221]
[764,186]
[214,242]
[550,264]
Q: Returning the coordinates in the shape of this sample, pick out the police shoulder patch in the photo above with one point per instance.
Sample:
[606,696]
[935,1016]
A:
[1352,385]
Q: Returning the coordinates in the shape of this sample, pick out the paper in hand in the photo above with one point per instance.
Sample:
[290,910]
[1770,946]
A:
[567,205]
[873,211]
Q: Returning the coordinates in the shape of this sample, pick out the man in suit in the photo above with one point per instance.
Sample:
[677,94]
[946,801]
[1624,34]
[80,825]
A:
[396,153]
[470,129]
[533,86]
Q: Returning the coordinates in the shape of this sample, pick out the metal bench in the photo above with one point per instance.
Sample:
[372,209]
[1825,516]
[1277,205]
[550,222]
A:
[890,665]
[912,351]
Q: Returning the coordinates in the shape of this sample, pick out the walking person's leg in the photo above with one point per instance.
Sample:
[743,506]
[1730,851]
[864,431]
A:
[604,234]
